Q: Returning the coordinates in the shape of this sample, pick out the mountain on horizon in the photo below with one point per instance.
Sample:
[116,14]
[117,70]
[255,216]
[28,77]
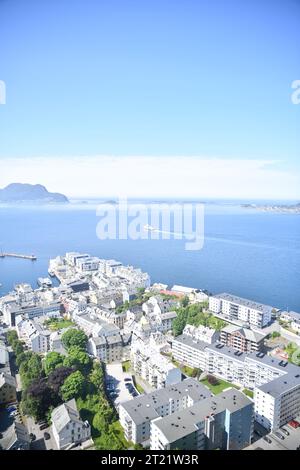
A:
[19,192]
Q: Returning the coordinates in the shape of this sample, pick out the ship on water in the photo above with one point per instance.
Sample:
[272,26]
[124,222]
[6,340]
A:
[149,228]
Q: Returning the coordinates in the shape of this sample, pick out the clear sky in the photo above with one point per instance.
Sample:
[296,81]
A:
[102,84]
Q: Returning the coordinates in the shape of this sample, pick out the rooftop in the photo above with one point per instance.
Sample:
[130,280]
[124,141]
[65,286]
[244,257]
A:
[182,423]
[245,302]
[143,408]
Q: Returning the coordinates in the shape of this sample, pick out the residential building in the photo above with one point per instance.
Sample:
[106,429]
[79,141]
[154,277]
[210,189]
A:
[106,348]
[237,308]
[295,325]
[289,316]
[152,366]
[7,388]
[222,422]
[136,414]
[189,351]
[201,333]
[67,427]
[35,336]
[16,437]
[242,339]
[278,402]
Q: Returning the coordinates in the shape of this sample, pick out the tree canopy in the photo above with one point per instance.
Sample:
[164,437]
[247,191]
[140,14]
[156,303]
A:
[74,337]
[73,386]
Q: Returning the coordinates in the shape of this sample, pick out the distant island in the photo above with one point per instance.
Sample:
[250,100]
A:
[34,193]
[286,208]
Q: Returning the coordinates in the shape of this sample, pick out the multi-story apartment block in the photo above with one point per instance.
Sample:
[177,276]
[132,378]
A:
[201,333]
[189,351]
[289,316]
[152,366]
[35,336]
[242,339]
[136,414]
[85,265]
[278,402]
[92,325]
[106,348]
[237,308]
[109,314]
[223,422]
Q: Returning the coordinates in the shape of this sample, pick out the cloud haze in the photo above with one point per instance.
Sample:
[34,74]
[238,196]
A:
[132,176]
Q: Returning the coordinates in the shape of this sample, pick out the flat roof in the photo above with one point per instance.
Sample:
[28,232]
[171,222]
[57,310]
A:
[241,301]
[143,408]
[184,422]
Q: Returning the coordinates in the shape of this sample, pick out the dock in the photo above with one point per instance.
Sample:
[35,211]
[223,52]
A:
[15,255]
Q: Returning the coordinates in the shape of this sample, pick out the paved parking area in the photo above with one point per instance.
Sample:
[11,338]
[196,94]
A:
[115,381]
[290,442]
[40,443]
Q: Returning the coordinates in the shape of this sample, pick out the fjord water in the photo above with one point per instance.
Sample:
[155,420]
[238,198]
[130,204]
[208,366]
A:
[246,252]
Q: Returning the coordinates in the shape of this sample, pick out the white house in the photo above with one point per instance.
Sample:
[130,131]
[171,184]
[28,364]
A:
[67,427]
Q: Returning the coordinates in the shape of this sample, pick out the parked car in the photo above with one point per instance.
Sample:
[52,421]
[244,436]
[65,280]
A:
[285,431]
[127,380]
[43,426]
[11,408]
[267,439]
[47,436]
[279,435]
[134,394]
[13,413]
[32,436]
[295,424]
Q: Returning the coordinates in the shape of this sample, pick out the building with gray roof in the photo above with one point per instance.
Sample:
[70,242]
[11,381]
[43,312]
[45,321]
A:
[136,414]
[67,426]
[221,422]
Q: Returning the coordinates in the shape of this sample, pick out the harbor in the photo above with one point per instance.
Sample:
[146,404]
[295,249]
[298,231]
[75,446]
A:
[15,255]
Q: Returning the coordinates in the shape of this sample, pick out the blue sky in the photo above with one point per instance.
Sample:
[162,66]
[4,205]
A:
[205,79]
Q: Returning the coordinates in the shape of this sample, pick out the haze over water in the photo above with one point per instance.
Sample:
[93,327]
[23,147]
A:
[246,252]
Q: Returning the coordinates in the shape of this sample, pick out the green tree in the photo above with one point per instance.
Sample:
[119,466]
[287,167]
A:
[52,360]
[73,386]
[18,348]
[96,377]
[31,369]
[11,336]
[78,359]
[184,301]
[21,358]
[74,337]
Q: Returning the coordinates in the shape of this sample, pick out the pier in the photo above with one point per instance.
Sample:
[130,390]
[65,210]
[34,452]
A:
[15,255]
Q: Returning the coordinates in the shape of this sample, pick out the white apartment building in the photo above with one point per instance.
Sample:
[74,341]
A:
[152,366]
[88,264]
[67,427]
[92,325]
[189,351]
[295,325]
[201,333]
[237,308]
[277,402]
[34,335]
[289,316]
[222,422]
[136,414]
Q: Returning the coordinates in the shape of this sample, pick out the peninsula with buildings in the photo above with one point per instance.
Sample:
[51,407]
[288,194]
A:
[285,208]
[109,360]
